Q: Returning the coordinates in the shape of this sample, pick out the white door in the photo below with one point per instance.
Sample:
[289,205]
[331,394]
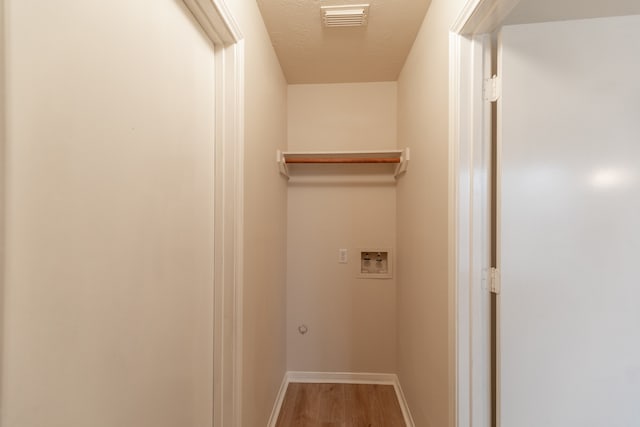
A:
[569,224]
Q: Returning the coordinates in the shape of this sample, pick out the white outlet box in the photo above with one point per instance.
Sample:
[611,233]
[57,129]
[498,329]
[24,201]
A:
[342,256]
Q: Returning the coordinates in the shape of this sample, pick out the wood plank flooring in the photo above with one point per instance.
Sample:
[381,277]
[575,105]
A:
[340,405]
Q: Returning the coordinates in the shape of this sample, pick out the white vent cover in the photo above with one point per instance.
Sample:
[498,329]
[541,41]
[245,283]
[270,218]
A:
[352,15]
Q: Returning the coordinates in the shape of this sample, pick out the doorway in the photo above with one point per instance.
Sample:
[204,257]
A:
[472,282]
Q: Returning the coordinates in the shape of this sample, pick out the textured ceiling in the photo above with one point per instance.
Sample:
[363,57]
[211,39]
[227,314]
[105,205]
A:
[310,53]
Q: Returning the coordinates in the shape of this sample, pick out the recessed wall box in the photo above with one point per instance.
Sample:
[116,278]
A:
[375,263]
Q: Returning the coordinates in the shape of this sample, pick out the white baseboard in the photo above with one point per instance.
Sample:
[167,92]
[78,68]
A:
[275,412]
[404,406]
[343,378]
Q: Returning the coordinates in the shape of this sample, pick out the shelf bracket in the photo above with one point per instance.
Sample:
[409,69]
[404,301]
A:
[404,163]
[284,170]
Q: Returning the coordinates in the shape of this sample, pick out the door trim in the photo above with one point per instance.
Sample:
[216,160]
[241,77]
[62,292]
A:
[219,25]
[469,201]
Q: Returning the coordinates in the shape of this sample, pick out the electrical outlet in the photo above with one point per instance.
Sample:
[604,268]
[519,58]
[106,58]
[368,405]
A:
[342,256]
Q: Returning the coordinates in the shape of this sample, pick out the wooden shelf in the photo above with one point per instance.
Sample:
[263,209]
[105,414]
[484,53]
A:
[398,157]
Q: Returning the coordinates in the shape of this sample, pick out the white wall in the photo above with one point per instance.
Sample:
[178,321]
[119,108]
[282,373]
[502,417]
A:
[530,11]
[569,198]
[423,218]
[265,219]
[351,321]
[109,181]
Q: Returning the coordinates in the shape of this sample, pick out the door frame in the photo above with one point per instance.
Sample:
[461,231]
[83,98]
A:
[217,22]
[469,207]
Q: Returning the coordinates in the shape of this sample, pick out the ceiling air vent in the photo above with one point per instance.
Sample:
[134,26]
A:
[352,15]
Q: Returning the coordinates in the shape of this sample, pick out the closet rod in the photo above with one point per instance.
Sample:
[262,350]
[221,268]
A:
[341,160]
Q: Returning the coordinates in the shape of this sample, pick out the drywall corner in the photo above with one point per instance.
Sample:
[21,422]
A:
[423,220]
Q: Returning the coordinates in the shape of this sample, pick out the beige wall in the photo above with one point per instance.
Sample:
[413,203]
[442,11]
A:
[108,291]
[351,321]
[109,211]
[2,183]
[423,358]
[264,339]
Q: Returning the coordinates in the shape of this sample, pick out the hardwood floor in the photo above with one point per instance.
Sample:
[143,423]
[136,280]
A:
[340,405]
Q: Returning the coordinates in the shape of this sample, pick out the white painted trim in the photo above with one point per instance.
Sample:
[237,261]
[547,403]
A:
[469,204]
[465,15]
[469,188]
[470,192]
[275,413]
[340,378]
[217,22]
[404,405]
[482,16]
